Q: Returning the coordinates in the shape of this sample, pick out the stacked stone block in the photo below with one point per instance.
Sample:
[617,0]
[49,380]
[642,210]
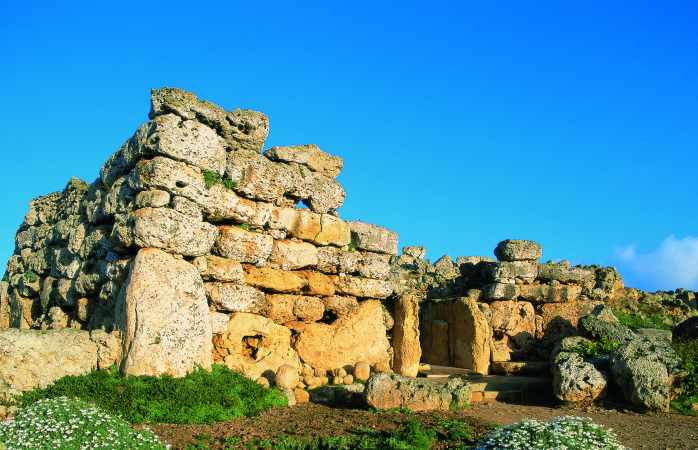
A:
[192,247]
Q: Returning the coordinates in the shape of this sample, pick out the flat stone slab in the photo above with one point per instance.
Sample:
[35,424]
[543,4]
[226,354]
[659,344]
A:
[520,367]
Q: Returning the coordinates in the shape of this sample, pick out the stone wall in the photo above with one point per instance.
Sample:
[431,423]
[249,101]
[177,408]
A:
[523,307]
[192,248]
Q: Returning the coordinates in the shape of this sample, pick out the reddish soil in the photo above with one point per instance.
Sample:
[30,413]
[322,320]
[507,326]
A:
[651,431]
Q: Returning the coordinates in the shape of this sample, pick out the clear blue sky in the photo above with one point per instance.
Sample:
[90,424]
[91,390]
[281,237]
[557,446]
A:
[571,123]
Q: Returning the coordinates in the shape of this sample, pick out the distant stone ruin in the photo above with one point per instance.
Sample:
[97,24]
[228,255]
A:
[195,247]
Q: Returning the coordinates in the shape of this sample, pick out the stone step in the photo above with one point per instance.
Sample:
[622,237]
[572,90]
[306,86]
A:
[520,367]
[492,387]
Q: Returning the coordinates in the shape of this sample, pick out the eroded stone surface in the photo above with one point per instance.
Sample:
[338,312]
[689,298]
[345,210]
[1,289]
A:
[163,317]
[373,238]
[309,155]
[390,390]
[243,246]
[357,336]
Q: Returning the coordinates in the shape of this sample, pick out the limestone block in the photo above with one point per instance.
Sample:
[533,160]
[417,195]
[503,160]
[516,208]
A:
[243,246]
[241,129]
[282,218]
[274,280]
[501,291]
[163,317]
[187,207]
[550,294]
[215,268]
[339,305]
[85,308]
[357,336]
[325,194]
[255,344]
[318,283]
[362,370]
[24,312]
[219,322]
[373,238]
[258,178]
[390,390]
[513,325]
[188,141]
[172,231]
[575,380]
[328,259]
[152,199]
[358,287]
[230,297]
[308,309]
[557,320]
[517,250]
[64,263]
[564,273]
[4,306]
[414,251]
[407,350]
[320,229]
[108,348]
[33,358]
[310,156]
[373,265]
[643,368]
[292,255]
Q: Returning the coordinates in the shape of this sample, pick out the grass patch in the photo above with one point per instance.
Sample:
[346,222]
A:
[211,178]
[31,276]
[199,397]
[650,319]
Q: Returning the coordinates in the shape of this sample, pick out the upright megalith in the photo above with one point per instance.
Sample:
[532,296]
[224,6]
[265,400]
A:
[163,317]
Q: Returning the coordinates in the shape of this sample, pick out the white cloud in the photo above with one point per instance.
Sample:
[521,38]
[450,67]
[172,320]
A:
[672,265]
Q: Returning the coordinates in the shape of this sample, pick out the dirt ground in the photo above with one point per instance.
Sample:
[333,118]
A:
[650,431]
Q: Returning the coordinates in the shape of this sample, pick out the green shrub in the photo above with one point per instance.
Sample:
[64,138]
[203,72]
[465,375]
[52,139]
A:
[687,350]
[199,397]
[211,178]
[31,276]
[595,348]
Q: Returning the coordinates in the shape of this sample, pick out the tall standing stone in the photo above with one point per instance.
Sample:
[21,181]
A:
[406,336]
[163,317]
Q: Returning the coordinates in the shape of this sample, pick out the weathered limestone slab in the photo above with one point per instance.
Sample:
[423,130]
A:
[550,294]
[163,317]
[414,251]
[219,323]
[390,390]
[255,344]
[258,178]
[320,229]
[406,345]
[188,141]
[373,238]
[292,255]
[325,194]
[575,380]
[241,129]
[230,297]
[152,199]
[339,305]
[564,274]
[518,250]
[438,348]
[309,155]
[357,287]
[500,291]
[32,358]
[215,268]
[4,306]
[243,246]
[318,283]
[507,272]
[357,336]
[513,325]
[172,231]
[274,280]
